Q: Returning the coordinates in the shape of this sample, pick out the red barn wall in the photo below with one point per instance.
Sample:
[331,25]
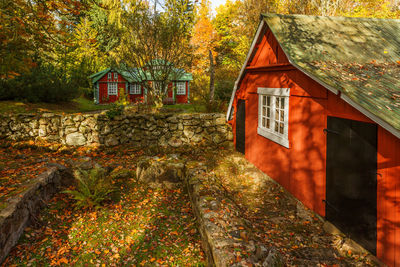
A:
[301,169]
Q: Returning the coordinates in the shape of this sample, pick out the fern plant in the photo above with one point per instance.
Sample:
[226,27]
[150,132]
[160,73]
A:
[92,189]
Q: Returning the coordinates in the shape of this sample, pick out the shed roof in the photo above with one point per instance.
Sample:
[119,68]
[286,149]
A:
[357,56]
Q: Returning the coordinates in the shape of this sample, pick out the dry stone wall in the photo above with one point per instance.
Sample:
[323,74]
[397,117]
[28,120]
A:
[136,129]
[20,209]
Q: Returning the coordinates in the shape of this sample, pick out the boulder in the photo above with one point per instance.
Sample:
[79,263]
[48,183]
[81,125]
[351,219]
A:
[158,174]
[75,139]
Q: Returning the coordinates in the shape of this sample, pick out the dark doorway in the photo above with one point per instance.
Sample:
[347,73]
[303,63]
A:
[240,125]
[351,170]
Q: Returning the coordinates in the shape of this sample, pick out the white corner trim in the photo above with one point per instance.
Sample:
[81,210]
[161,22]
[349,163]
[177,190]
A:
[373,117]
[273,91]
[273,137]
[260,27]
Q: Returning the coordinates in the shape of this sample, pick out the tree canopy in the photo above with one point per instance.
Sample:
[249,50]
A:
[48,42]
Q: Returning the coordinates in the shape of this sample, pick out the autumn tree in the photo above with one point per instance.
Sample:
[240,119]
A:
[155,45]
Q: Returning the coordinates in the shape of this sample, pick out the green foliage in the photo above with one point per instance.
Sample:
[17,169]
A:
[118,106]
[45,83]
[93,188]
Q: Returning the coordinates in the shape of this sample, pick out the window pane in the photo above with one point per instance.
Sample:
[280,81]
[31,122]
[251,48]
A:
[263,122]
[268,112]
[282,115]
[264,111]
[264,100]
[268,101]
[267,123]
[276,114]
[282,103]
[281,127]
[276,126]
[277,102]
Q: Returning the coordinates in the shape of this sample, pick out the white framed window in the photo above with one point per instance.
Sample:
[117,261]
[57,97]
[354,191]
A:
[109,76]
[135,89]
[273,114]
[115,75]
[112,88]
[181,88]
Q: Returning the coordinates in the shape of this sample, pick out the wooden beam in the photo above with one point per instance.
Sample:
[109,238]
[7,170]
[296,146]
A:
[272,67]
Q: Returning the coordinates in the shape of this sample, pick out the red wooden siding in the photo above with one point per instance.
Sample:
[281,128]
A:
[302,168]
[135,98]
[170,90]
[122,83]
[103,88]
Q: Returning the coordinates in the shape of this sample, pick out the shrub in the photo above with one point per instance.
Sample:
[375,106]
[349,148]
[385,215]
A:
[119,106]
[45,83]
[93,188]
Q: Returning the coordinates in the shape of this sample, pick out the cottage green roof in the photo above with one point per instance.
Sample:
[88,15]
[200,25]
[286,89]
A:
[357,56]
[136,75]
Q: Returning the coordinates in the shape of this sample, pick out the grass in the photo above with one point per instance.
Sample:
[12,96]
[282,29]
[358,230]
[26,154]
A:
[186,108]
[78,105]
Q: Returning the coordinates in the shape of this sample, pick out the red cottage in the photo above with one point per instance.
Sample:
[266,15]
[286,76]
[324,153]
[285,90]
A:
[317,107]
[109,83]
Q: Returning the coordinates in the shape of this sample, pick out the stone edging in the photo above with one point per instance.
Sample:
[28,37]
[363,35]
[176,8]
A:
[22,209]
[225,238]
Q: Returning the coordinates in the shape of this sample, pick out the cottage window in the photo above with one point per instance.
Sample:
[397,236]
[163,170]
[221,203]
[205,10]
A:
[109,76]
[112,88]
[135,89]
[181,88]
[273,114]
[115,75]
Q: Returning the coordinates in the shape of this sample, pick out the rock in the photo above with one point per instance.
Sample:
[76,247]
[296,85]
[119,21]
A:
[273,259]
[75,139]
[302,213]
[220,121]
[111,140]
[188,132]
[175,142]
[69,130]
[158,173]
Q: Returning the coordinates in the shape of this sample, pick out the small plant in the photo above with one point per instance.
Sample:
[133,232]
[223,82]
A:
[92,189]
[119,106]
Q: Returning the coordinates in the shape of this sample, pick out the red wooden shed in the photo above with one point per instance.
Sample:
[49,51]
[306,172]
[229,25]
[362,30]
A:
[317,107]
[109,83]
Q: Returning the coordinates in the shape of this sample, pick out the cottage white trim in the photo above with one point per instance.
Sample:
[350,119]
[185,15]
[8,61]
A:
[181,88]
[112,88]
[273,114]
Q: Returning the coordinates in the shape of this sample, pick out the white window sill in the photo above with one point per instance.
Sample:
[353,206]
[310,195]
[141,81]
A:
[273,137]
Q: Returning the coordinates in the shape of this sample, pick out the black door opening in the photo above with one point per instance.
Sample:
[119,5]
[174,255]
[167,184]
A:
[351,169]
[240,125]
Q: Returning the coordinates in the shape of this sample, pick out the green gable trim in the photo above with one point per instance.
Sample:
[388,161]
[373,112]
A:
[358,57]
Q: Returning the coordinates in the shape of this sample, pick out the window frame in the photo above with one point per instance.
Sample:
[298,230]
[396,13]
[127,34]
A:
[269,132]
[115,76]
[135,89]
[115,84]
[178,92]
[109,76]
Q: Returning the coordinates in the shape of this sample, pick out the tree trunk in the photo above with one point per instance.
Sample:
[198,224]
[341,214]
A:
[212,88]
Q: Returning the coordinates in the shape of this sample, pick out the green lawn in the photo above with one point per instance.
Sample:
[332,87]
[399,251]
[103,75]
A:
[82,105]
[75,106]
[186,108]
